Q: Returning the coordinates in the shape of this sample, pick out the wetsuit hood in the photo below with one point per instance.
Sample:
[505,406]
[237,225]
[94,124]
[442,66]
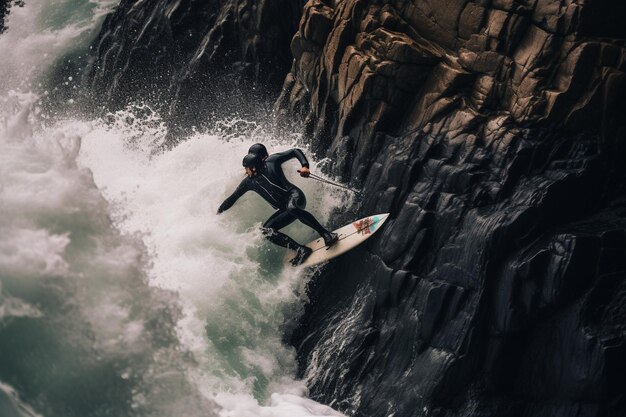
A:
[259,150]
[251,161]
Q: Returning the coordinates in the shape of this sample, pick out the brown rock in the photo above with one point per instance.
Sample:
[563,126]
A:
[482,127]
[471,20]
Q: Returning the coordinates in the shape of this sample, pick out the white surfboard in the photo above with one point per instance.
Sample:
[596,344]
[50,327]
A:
[350,236]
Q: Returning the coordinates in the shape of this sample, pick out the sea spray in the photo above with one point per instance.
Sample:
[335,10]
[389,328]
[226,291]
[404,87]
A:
[236,294]
[180,310]
[41,34]
[82,331]
[122,294]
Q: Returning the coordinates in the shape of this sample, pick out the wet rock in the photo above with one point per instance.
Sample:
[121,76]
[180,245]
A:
[492,133]
[193,58]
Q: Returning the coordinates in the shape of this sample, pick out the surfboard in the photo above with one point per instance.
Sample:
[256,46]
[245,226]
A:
[350,236]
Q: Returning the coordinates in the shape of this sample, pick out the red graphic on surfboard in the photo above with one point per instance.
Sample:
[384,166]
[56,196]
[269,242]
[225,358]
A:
[363,226]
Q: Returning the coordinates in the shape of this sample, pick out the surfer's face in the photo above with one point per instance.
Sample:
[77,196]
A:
[250,171]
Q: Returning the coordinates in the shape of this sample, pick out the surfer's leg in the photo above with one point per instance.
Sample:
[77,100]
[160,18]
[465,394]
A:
[277,221]
[270,229]
[295,207]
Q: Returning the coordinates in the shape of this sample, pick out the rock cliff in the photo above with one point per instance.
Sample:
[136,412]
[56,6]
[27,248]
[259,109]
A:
[493,133]
[223,57]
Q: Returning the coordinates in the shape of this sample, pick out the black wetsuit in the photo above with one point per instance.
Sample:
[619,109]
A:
[270,183]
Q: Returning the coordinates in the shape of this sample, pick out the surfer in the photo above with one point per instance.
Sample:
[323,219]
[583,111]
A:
[265,176]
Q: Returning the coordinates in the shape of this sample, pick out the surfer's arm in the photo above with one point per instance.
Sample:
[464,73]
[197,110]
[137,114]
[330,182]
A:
[290,154]
[232,199]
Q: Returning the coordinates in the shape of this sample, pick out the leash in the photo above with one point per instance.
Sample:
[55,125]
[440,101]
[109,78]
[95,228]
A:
[324,180]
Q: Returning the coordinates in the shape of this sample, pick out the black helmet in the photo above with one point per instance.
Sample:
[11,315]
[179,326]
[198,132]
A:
[251,161]
[259,150]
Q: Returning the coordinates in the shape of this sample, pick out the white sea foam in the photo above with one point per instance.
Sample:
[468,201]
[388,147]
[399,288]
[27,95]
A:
[11,307]
[40,33]
[236,295]
[65,267]
[118,293]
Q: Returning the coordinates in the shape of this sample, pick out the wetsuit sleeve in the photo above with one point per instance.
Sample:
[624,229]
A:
[241,190]
[292,153]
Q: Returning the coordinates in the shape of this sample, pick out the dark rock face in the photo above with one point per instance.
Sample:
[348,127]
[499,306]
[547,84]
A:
[494,134]
[193,57]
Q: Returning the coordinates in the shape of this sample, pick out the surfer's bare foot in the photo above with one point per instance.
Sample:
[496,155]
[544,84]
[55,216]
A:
[302,253]
[330,239]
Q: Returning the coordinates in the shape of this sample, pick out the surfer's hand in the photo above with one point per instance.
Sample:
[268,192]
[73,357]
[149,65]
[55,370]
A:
[304,172]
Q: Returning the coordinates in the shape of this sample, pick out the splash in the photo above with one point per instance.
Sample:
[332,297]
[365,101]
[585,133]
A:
[236,296]
[122,293]
[183,311]
[40,33]
[74,291]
